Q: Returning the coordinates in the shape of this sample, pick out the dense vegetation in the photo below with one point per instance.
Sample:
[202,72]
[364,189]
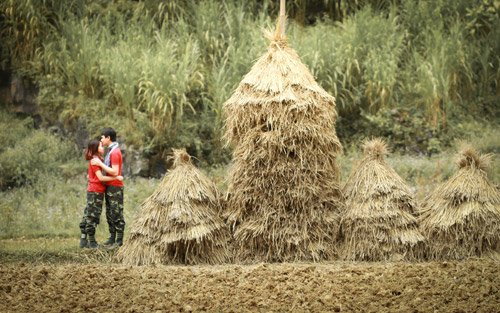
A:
[418,72]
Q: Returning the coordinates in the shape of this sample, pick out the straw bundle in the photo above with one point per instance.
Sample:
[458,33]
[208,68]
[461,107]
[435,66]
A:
[378,223]
[461,218]
[179,222]
[283,194]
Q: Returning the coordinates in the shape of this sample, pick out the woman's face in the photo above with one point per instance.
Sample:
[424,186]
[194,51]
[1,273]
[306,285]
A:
[100,149]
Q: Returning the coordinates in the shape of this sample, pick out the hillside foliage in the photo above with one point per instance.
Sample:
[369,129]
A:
[415,72]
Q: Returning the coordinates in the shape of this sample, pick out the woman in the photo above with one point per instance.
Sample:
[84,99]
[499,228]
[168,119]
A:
[95,195]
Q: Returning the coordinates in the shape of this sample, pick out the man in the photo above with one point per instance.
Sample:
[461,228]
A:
[114,189]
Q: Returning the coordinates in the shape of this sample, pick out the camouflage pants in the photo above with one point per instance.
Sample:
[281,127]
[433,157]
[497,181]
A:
[114,209]
[92,213]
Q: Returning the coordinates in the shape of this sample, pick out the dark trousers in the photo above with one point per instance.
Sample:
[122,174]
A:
[114,209]
[92,213]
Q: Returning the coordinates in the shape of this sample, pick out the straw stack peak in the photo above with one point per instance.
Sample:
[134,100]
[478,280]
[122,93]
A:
[376,148]
[278,38]
[470,158]
[180,157]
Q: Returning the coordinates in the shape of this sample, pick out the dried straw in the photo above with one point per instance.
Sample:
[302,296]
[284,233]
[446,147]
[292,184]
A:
[461,218]
[283,194]
[179,222]
[378,223]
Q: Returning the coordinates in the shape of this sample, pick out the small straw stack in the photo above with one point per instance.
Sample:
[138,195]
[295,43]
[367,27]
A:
[179,223]
[284,195]
[461,218]
[378,222]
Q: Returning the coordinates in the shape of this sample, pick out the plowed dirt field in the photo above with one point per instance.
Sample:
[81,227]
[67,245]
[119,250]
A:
[466,286]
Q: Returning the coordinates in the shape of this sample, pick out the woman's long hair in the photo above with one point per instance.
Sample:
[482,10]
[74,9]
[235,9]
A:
[92,149]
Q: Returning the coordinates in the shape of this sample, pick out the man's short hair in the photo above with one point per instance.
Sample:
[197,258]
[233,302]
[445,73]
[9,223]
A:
[109,132]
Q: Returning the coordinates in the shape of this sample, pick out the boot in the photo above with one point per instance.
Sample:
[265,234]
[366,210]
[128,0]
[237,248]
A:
[111,240]
[92,242]
[83,241]
[119,239]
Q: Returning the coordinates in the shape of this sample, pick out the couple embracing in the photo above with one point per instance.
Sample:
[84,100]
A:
[105,184]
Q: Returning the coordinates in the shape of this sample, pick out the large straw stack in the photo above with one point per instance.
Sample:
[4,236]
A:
[378,223]
[179,223]
[283,194]
[461,218]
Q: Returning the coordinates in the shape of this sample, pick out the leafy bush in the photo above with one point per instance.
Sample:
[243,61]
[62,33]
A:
[12,129]
[33,155]
[407,130]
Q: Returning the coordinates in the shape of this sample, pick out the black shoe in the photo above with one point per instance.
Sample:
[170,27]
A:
[83,243]
[93,245]
[119,239]
[111,240]
[92,242]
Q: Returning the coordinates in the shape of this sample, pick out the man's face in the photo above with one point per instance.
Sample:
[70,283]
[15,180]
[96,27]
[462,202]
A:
[106,141]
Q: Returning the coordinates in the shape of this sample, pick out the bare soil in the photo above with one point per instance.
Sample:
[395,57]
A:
[466,286]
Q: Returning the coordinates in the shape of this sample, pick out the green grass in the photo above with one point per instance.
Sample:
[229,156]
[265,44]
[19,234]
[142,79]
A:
[50,250]
[55,207]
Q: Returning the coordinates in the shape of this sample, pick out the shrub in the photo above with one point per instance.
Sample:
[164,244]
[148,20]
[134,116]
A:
[33,155]
[12,129]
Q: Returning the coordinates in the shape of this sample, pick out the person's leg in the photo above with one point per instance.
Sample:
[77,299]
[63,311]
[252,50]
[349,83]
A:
[83,232]
[94,208]
[112,231]
[115,195]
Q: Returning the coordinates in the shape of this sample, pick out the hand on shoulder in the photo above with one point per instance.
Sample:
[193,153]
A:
[95,161]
